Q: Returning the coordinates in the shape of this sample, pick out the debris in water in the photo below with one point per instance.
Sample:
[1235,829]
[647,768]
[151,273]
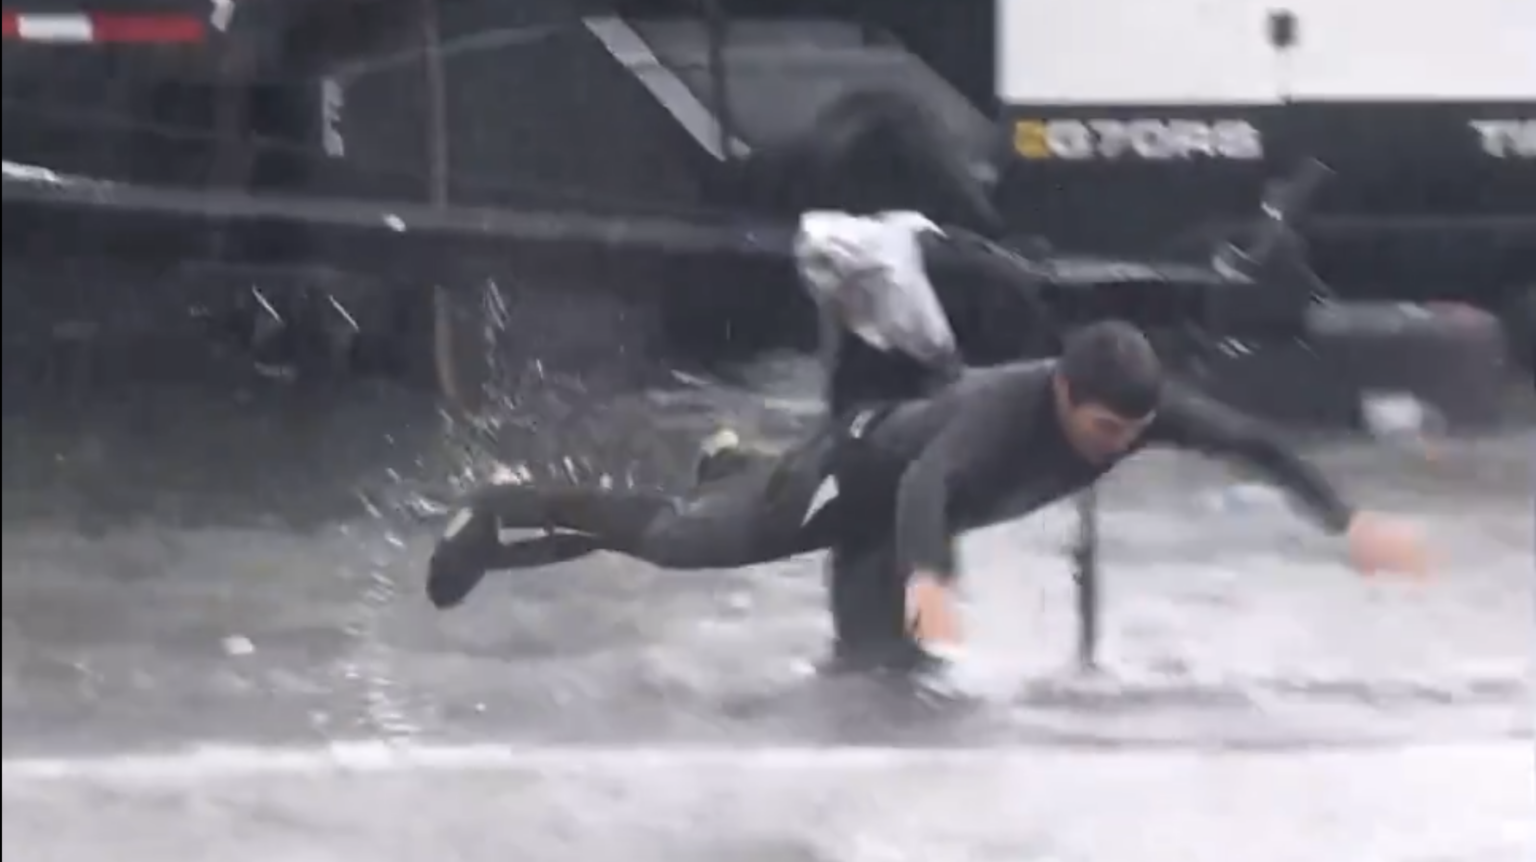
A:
[238,645]
[689,379]
[1246,497]
[1402,419]
[1395,415]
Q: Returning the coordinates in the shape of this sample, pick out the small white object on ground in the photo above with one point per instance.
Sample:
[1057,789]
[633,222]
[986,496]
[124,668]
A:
[1245,497]
[1398,416]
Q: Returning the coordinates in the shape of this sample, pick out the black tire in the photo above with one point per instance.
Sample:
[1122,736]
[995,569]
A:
[875,150]
[1449,356]
[898,130]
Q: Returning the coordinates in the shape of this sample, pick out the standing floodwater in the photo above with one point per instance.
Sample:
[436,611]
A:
[228,561]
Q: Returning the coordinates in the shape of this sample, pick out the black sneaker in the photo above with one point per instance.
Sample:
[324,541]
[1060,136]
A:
[462,557]
[720,455]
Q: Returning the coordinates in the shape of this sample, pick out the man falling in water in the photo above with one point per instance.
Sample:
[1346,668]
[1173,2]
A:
[917,451]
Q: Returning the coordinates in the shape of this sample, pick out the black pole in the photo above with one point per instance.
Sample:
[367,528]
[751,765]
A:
[450,317]
[437,104]
[717,22]
[1085,561]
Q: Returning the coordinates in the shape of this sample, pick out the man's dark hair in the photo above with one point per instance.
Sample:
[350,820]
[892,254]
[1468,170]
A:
[1112,364]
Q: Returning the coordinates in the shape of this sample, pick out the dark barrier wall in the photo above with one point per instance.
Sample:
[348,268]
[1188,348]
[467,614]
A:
[532,111]
[953,36]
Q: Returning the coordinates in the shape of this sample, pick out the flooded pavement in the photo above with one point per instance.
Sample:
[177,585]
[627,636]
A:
[216,647]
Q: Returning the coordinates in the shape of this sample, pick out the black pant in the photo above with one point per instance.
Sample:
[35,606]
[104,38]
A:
[756,513]
[867,597]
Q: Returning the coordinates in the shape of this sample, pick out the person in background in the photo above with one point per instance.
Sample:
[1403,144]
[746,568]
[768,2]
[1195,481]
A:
[916,451]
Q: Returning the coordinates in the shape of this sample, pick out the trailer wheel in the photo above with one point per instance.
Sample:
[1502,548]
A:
[873,150]
[1447,358]
[1447,355]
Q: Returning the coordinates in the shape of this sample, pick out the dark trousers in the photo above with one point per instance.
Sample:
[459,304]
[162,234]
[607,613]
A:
[739,521]
[755,513]
[867,597]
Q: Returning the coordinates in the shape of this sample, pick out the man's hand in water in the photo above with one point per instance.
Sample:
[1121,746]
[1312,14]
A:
[932,615]
[1380,544]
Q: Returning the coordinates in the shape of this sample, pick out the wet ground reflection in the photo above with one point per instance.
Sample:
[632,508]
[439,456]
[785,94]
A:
[195,562]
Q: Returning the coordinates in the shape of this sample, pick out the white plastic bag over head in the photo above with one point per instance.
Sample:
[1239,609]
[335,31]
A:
[869,271]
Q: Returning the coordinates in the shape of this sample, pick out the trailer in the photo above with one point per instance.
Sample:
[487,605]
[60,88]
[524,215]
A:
[362,170]
[1177,112]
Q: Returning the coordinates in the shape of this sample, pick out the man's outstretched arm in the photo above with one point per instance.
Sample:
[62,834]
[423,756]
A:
[1190,420]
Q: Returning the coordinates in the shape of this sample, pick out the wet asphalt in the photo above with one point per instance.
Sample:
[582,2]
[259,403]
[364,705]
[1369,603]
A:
[216,647]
